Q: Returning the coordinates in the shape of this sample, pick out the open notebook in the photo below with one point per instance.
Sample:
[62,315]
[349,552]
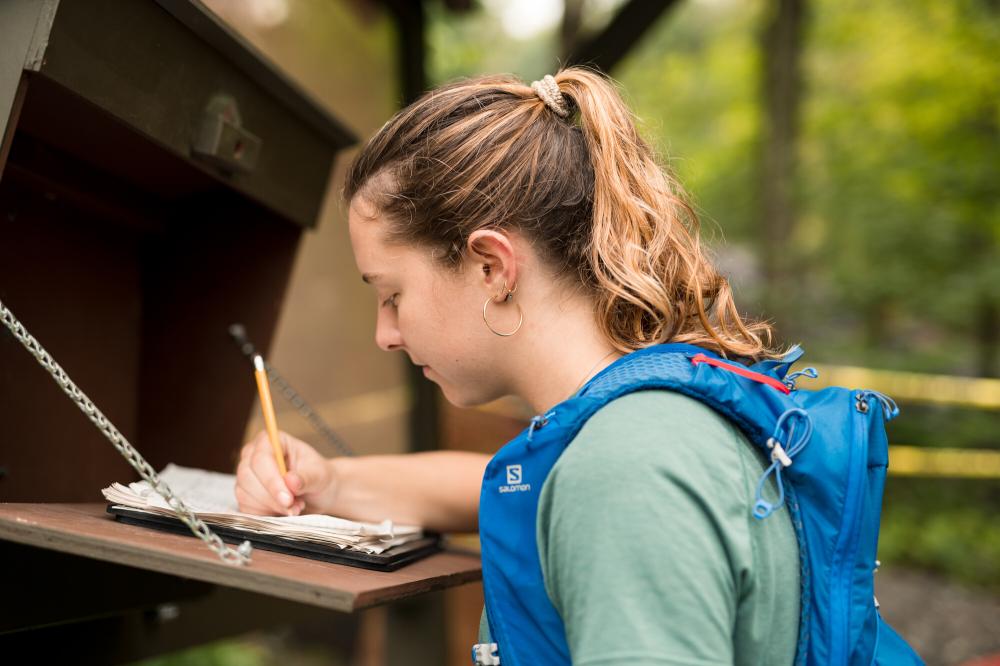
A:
[210,495]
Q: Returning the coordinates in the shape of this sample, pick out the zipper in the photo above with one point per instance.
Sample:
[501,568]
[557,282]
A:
[840,598]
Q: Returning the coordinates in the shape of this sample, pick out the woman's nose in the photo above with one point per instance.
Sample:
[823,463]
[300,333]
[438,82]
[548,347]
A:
[387,335]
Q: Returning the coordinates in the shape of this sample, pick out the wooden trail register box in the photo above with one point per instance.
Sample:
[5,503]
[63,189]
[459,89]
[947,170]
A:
[156,177]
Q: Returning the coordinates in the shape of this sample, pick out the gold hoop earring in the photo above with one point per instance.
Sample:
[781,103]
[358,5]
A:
[486,305]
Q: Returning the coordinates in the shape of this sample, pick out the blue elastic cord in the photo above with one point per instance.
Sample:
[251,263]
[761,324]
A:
[889,407]
[811,373]
[538,422]
[762,508]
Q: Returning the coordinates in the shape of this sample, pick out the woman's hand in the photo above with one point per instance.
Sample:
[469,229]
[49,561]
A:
[260,488]
[438,490]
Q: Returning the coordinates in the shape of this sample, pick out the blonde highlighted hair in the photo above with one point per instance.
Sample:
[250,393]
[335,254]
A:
[586,190]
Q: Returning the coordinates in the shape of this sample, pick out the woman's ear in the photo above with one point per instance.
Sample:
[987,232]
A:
[494,252]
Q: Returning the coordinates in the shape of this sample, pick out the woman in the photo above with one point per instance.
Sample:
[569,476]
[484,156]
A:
[520,240]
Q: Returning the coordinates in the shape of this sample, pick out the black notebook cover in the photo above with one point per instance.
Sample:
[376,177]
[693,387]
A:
[390,560]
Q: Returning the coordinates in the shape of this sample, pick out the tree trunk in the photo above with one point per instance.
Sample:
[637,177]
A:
[781,88]
[569,30]
[988,337]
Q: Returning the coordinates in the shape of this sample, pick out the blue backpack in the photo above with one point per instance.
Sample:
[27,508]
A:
[828,455]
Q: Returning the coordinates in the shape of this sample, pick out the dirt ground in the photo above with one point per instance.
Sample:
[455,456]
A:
[946,623]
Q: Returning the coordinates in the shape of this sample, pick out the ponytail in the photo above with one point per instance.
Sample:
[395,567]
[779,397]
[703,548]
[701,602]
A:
[654,282]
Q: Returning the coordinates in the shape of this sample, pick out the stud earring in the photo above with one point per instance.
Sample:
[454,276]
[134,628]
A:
[506,299]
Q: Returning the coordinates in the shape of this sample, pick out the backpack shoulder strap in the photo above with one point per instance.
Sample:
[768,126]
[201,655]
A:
[751,399]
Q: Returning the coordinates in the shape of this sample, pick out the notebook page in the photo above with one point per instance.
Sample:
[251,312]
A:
[201,490]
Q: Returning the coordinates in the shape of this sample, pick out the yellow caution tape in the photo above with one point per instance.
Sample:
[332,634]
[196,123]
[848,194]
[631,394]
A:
[911,386]
[951,463]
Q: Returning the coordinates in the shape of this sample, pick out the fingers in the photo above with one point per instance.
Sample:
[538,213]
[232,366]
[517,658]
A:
[294,482]
[250,504]
[307,469]
[254,497]
[266,470]
[259,486]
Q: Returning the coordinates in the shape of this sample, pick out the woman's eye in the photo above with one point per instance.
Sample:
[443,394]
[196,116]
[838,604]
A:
[391,301]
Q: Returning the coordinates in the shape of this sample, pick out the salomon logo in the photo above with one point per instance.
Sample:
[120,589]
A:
[514,484]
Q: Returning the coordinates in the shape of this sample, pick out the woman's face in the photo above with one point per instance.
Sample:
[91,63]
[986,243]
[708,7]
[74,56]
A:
[432,313]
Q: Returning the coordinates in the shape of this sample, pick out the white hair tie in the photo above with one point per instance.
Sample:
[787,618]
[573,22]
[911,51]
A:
[548,91]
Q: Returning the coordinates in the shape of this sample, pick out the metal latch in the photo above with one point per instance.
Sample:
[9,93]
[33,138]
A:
[221,140]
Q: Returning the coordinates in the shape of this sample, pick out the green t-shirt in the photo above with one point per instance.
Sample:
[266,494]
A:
[648,548]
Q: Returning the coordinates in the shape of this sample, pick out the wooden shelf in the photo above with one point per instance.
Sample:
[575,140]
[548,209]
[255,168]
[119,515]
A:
[86,530]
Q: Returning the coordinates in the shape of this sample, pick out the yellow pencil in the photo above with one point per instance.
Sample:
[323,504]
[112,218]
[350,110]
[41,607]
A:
[266,406]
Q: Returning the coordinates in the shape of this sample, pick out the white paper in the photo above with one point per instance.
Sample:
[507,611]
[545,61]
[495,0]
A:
[211,495]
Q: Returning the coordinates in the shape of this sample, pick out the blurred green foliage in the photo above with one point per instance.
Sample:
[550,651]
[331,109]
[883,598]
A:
[270,648]
[944,525]
[898,234]
[223,653]
[900,157]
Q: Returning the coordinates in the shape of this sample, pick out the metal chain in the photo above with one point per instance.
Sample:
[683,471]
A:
[236,556]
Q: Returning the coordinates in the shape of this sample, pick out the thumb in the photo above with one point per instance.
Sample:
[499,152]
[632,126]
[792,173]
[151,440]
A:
[304,480]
